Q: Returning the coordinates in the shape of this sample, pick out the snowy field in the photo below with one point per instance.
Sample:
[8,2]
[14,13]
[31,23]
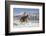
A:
[18,24]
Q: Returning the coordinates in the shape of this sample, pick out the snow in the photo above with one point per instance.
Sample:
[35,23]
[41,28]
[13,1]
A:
[25,24]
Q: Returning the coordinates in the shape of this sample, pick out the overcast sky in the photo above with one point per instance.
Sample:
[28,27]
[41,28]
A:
[20,10]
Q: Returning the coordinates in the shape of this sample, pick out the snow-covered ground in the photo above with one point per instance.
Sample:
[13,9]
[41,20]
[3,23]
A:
[18,24]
